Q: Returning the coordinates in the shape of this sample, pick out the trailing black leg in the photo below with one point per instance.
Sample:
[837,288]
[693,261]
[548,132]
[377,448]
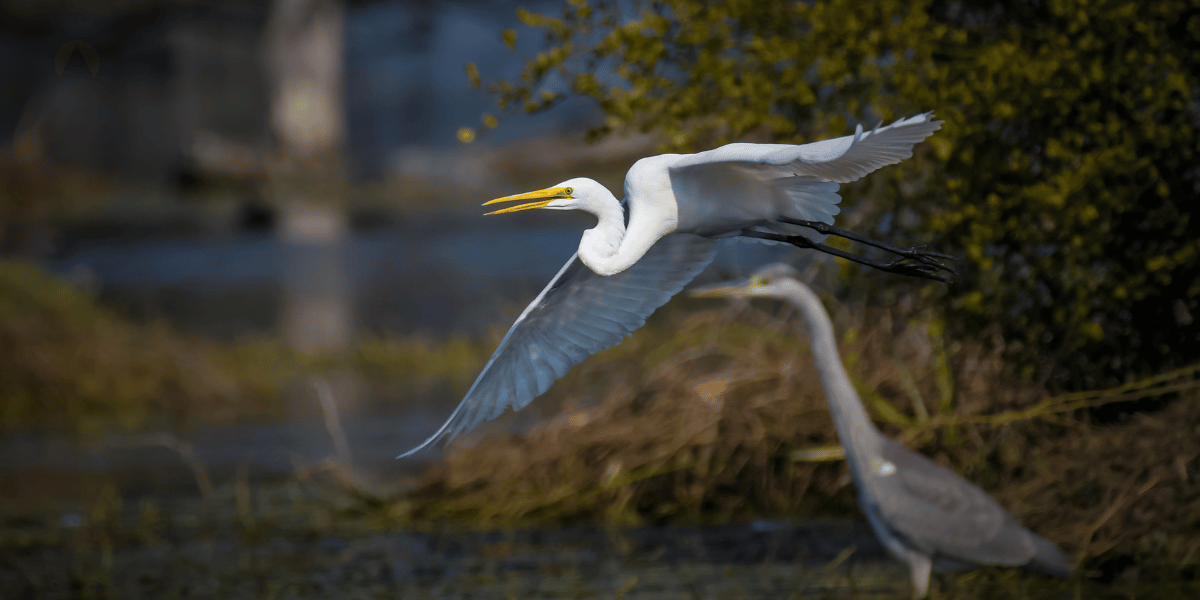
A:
[914,253]
[924,268]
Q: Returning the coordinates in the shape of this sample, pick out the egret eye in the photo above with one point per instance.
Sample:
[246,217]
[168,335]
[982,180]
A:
[570,191]
[759,281]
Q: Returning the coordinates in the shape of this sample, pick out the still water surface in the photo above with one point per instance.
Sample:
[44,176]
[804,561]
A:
[432,277]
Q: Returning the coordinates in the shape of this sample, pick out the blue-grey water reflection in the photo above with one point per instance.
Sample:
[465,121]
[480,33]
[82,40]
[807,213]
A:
[418,278]
[259,258]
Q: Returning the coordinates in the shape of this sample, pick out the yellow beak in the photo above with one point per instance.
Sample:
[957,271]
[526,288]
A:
[722,290]
[543,197]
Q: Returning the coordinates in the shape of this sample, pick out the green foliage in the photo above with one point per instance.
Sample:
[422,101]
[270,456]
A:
[1071,180]
[1065,172]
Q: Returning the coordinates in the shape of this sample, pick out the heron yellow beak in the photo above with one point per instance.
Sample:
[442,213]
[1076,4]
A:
[744,287]
[723,290]
[543,197]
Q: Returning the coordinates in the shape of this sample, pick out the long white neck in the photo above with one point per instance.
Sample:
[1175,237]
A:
[855,429]
[609,247]
[600,245]
[603,248]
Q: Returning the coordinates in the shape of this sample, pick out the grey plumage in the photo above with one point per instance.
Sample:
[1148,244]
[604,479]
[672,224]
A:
[925,515]
[936,512]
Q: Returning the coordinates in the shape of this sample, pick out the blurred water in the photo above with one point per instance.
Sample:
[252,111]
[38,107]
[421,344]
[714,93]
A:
[298,558]
[143,466]
[432,278]
[259,258]
[400,280]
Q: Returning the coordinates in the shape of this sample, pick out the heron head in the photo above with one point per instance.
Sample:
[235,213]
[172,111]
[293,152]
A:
[771,280]
[572,194]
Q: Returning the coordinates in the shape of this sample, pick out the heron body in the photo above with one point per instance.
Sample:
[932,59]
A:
[925,515]
[643,250]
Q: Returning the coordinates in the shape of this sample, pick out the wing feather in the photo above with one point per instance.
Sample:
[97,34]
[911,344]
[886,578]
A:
[579,313]
[721,190]
[850,157]
[943,514]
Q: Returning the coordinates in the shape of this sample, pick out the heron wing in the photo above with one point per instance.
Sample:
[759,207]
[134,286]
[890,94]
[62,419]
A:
[738,183]
[941,513]
[839,160]
[578,314]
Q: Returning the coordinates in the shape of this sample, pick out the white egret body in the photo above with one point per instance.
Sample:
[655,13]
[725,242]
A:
[644,250]
[925,515]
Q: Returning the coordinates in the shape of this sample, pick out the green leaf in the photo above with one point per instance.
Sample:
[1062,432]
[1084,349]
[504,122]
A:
[473,74]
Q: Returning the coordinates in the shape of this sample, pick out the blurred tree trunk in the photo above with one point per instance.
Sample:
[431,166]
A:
[304,54]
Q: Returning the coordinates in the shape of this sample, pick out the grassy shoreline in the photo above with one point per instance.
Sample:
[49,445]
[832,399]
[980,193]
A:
[706,416]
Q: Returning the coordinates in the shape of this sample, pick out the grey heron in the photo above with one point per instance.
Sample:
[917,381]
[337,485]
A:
[645,249]
[925,515]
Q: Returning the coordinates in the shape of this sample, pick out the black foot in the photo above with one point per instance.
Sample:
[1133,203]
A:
[915,261]
[922,270]
[918,253]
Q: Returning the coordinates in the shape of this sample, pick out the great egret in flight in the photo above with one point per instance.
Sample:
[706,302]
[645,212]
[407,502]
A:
[925,515]
[645,249]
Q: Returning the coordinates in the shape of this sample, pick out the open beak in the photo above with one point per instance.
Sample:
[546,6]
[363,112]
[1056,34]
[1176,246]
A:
[542,197]
[722,290]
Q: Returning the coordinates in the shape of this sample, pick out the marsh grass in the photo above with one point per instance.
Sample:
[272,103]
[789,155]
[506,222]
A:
[76,366]
[717,416]
[705,416]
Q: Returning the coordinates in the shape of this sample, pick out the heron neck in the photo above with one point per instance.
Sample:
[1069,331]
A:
[610,247]
[855,430]
[600,247]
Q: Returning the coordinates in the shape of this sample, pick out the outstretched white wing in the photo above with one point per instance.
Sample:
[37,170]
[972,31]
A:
[578,314]
[721,190]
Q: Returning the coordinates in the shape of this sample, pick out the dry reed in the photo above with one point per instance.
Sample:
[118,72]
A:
[725,420]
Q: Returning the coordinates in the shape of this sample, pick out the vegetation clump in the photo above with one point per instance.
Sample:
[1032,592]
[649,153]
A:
[73,365]
[725,421]
[76,366]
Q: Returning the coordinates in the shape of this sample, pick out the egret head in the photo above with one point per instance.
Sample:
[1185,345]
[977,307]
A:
[773,280]
[572,194]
